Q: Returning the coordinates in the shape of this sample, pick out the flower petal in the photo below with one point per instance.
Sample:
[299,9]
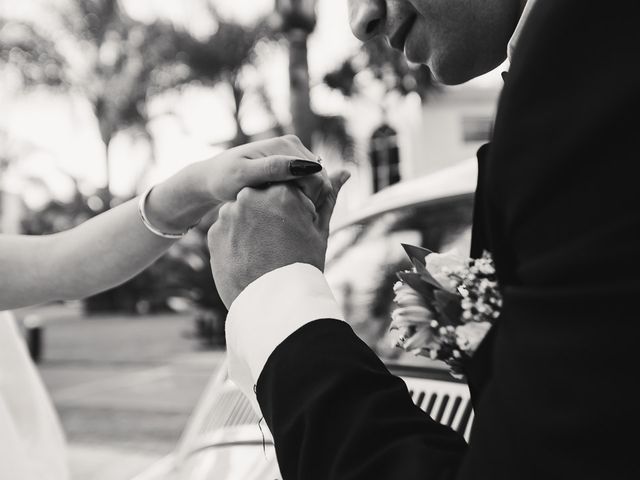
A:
[420,339]
[470,335]
[441,265]
[410,316]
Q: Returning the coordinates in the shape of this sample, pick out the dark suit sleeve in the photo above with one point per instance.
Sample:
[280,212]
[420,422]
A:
[336,412]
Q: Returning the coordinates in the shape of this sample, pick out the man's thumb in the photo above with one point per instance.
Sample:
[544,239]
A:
[326,210]
[338,180]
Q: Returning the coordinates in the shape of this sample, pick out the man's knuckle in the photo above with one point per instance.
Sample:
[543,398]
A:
[244,196]
[224,213]
[212,233]
[282,191]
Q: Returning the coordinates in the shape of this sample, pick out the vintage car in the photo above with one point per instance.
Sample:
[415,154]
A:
[226,440]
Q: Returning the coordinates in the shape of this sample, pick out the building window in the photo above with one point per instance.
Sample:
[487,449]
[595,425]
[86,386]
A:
[476,128]
[385,157]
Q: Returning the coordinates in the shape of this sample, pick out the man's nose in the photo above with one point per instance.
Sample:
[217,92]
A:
[366,18]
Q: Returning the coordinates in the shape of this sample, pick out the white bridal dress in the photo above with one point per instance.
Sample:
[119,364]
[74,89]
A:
[32,445]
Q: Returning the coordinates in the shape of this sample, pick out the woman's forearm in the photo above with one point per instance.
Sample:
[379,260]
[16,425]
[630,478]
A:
[101,253]
[113,247]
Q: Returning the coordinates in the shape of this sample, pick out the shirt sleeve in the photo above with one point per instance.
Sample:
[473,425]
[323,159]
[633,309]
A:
[269,310]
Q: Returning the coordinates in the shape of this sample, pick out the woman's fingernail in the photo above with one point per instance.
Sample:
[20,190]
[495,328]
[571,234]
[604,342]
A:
[300,168]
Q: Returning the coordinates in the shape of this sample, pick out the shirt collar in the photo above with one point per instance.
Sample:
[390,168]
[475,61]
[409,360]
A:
[518,31]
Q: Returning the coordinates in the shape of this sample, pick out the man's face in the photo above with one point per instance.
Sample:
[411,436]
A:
[456,39]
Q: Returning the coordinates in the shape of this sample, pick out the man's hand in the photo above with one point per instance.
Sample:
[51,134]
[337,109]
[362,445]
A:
[265,229]
[180,201]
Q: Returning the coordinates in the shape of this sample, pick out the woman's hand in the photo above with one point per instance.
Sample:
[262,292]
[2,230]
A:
[260,163]
[179,202]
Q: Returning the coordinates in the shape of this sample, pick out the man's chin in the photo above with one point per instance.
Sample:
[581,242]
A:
[450,73]
[451,76]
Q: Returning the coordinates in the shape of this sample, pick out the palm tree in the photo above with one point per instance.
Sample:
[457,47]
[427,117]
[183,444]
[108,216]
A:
[116,65]
[124,63]
[296,21]
[220,59]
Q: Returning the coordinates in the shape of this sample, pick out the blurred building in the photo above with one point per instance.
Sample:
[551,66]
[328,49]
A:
[410,138]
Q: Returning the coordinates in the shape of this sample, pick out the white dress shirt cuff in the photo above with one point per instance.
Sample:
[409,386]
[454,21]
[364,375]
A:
[269,310]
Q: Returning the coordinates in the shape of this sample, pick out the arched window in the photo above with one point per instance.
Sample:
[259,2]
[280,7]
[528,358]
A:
[385,157]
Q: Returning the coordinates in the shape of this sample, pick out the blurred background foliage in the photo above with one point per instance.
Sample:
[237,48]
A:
[388,67]
[95,49]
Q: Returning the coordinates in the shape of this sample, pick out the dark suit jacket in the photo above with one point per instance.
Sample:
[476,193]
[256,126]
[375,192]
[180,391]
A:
[559,207]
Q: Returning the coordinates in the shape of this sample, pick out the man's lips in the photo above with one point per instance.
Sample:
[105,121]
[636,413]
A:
[398,38]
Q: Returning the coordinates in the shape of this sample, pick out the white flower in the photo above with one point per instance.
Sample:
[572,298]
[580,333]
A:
[413,326]
[407,296]
[469,335]
[420,340]
[442,265]
[398,336]
[412,315]
[485,267]
[419,329]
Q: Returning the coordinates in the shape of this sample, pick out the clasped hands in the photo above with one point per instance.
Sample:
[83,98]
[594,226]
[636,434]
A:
[271,226]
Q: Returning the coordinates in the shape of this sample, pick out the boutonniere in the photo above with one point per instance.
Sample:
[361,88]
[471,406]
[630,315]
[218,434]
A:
[445,306]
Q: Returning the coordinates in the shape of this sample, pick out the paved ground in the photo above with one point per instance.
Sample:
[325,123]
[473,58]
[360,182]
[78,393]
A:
[124,388]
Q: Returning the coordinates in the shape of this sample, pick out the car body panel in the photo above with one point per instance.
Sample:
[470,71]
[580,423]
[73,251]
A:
[227,441]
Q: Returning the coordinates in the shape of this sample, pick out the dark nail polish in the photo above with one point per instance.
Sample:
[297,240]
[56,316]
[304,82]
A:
[300,168]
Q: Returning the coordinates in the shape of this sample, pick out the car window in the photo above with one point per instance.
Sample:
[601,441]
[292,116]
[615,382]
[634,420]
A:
[363,258]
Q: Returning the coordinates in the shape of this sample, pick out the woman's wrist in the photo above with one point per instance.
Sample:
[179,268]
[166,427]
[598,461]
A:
[178,203]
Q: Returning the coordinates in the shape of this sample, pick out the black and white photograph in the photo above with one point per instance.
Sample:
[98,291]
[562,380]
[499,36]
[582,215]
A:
[319,239]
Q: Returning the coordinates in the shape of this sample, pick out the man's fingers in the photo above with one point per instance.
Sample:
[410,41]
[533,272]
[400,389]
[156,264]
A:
[326,209]
[306,203]
[276,168]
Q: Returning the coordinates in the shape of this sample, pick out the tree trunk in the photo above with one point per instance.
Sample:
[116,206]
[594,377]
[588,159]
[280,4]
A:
[106,140]
[107,129]
[302,117]
[238,94]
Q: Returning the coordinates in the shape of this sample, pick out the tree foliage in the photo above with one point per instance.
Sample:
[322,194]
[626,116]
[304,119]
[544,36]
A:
[119,64]
[33,55]
[387,66]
